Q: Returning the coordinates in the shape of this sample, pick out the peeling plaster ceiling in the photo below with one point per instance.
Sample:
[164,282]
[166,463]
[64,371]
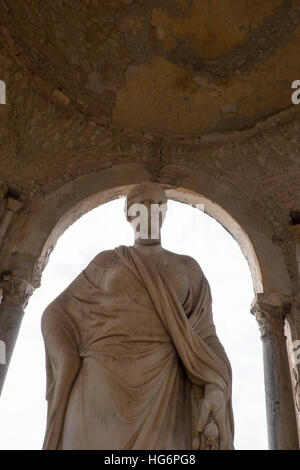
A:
[167,67]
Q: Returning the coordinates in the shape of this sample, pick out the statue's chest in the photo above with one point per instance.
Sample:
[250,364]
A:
[175,275]
[120,279]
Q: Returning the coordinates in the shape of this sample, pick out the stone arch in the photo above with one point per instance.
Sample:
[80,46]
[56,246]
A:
[39,230]
[47,220]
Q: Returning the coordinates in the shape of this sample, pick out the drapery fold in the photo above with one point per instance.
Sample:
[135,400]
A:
[125,360]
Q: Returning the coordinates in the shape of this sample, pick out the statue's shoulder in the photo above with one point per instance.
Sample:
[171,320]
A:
[193,268]
[106,259]
[189,262]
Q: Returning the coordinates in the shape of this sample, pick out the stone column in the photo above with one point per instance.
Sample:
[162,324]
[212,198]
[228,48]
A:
[12,206]
[10,321]
[295,328]
[271,311]
[14,296]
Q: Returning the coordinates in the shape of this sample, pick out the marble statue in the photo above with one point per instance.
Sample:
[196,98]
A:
[132,356]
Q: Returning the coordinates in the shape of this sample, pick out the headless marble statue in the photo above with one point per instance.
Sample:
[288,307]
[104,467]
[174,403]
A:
[132,356]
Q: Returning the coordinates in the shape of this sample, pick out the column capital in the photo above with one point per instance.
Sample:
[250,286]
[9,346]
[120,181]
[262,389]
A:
[270,311]
[295,230]
[14,290]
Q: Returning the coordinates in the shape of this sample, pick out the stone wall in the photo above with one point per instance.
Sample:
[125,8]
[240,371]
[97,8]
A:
[95,86]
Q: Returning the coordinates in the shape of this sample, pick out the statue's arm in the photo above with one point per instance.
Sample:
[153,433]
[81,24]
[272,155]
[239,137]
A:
[62,340]
[215,403]
[203,324]
[62,366]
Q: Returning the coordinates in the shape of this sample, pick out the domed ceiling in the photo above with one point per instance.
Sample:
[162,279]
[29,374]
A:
[167,67]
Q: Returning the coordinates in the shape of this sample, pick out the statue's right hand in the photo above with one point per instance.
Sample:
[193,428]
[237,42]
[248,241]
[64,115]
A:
[213,406]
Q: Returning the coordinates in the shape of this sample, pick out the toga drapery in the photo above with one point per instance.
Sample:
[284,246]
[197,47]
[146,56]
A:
[126,362]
